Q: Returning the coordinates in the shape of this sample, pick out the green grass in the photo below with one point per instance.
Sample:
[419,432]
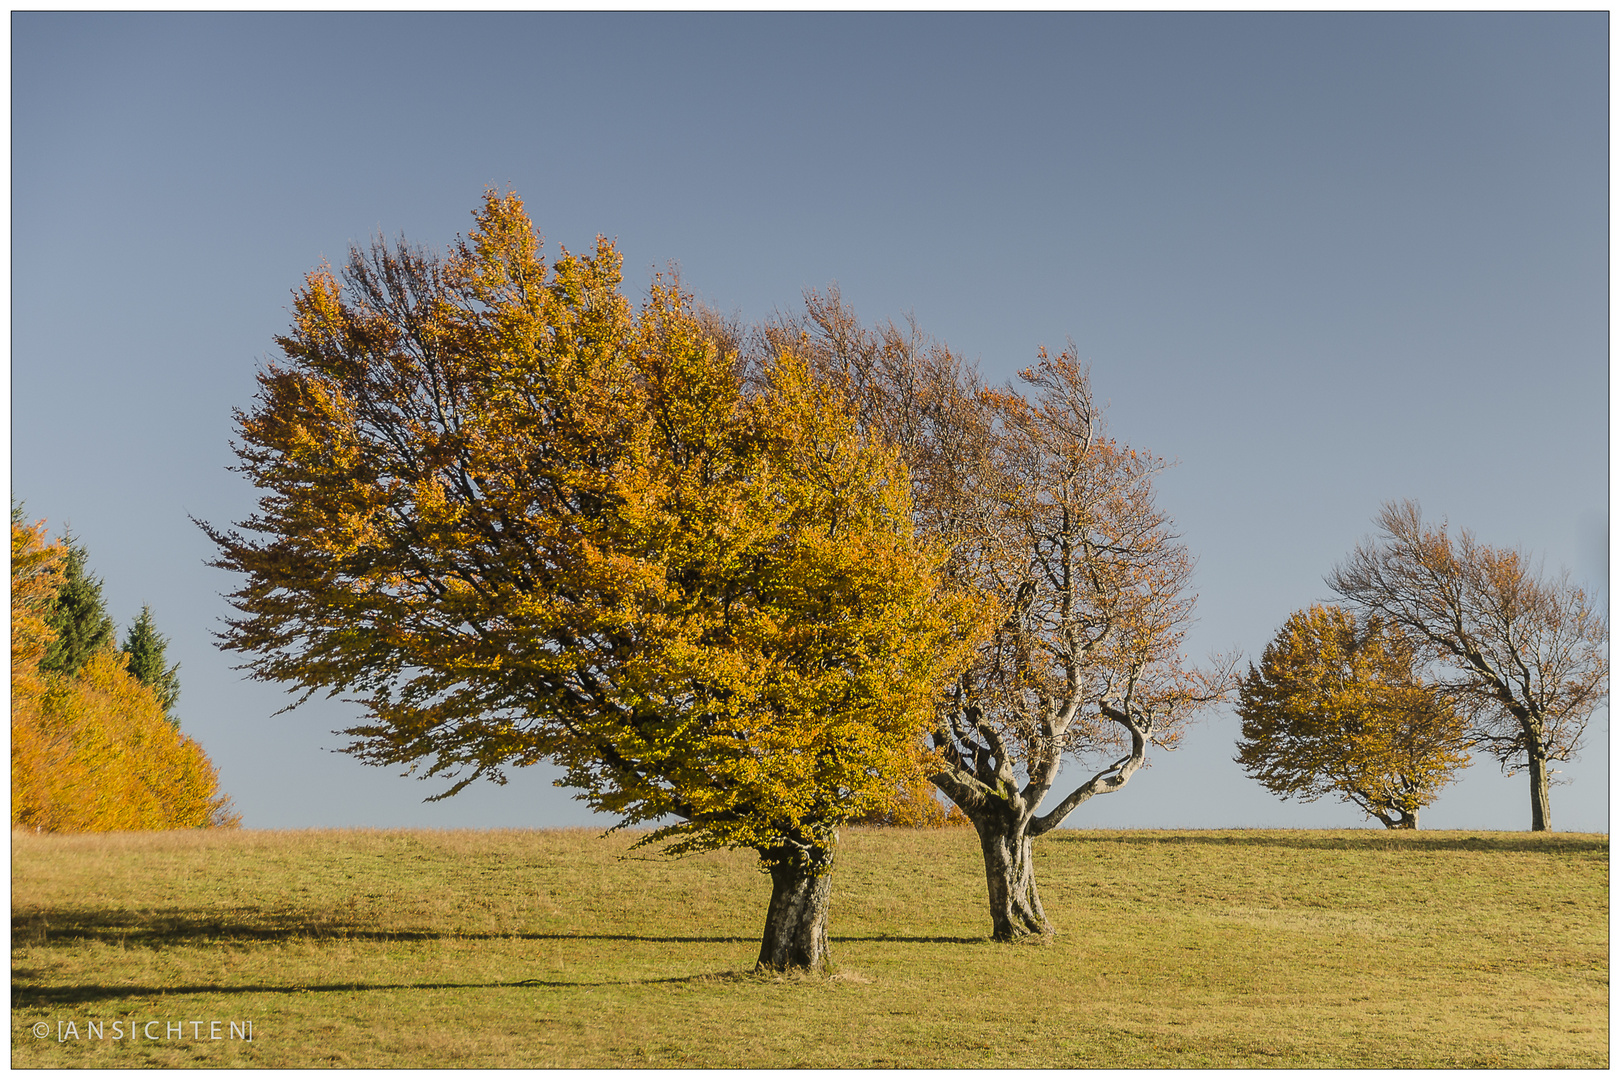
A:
[1346,949]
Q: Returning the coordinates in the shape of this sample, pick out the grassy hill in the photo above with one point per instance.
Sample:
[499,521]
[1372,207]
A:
[564,948]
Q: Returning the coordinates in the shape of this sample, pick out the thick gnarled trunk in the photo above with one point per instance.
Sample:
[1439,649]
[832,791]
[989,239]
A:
[981,782]
[1393,812]
[1009,870]
[1399,819]
[796,923]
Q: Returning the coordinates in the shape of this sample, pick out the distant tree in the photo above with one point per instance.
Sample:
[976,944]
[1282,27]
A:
[519,520]
[1526,657]
[79,616]
[1337,707]
[1057,523]
[145,648]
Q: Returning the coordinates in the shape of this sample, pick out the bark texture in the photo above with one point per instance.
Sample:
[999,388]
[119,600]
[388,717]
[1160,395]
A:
[1009,870]
[801,897]
[1398,819]
[980,780]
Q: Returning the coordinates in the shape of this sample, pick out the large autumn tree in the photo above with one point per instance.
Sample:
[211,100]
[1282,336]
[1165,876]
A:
[1526,656]
[1058,524]
[517,519]
[1338,706]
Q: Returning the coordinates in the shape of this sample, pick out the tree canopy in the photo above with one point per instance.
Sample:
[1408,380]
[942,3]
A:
[517,519]
[36,573]
[1338,707]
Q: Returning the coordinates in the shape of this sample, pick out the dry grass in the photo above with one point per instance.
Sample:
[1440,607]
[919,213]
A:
[564,948]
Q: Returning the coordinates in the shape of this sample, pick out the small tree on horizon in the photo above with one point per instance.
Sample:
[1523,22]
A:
[1337,707]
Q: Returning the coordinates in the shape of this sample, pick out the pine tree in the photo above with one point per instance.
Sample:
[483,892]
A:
[79,616]
[145,647]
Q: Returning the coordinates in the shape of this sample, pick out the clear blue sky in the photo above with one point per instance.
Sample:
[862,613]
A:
[1320,261]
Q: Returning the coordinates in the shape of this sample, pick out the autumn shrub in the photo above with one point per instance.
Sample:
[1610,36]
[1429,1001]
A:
[93,752]
[96,754]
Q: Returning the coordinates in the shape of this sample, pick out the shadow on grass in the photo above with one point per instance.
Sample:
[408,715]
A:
[37,996]
[181,927]
[913,939]
[23,996]
[1344,840]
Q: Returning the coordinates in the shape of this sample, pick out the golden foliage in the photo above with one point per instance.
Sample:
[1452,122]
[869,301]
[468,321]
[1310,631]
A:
[915,802]
[93,752]
[98,755]
[1336,707]
[520,520]
[35,573]
[916,806]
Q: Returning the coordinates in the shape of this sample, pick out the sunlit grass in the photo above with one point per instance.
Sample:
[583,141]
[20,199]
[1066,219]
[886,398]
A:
[565,948]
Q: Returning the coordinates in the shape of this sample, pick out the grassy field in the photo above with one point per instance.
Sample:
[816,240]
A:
[564,948]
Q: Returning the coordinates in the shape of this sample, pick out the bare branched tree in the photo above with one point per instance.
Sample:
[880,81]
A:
[1527,656]
[1056,523]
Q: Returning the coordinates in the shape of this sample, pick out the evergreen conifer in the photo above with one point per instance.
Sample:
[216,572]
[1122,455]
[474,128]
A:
[145,647]
[79,616]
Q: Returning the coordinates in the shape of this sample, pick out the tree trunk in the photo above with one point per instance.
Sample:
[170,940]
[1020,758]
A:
[1397,817]
[1015,903]
[796,924]
[1540,807]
